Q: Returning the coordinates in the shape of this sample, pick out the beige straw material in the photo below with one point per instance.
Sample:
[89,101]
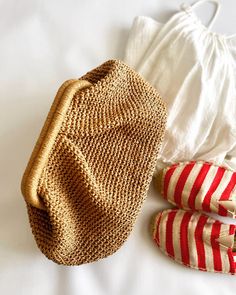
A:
[92,165]
[46,140]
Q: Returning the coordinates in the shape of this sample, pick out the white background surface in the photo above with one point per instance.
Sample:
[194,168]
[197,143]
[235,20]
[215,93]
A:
[42,44]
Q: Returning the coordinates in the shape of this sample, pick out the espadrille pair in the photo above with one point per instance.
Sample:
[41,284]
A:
[93,162]
[188,236]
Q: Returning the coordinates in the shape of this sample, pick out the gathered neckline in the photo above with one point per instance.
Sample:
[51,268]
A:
[198,21]
[229,40]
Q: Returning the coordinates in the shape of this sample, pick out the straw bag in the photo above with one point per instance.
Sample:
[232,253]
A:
[92,164]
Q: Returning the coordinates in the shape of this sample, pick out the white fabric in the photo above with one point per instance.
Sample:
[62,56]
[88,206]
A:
[194,70]
[44,43]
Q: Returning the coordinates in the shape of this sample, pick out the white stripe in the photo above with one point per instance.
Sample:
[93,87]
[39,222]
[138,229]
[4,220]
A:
[162,230]
[224,250]
[158,220]
[225,261]
[173,181]
[214,205]
[189,184]
[207,244]
[193,256]
[176,234]
[205,187]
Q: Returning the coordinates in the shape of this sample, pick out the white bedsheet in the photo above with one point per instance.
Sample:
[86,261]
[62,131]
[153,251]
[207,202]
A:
[44,43]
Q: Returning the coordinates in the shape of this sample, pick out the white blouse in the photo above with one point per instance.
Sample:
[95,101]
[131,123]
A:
[194,70]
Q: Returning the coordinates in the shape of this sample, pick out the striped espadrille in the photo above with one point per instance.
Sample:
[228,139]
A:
[196,240]
[200,186]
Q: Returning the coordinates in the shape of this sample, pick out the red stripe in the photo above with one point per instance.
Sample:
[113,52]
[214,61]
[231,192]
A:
[216,181]
[226,194]
[157,235]
[184,238]
[167,178]
[222,211]
[169,233]
[228,190]
[231,261]
[197,184]
[199,241]
[232,229]
[231,254]
[215,233]
[181,182]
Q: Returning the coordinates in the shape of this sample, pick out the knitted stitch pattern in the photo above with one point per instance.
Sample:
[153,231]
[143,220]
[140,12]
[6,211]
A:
[100,166]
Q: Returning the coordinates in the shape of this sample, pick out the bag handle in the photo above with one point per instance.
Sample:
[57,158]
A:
[186,6]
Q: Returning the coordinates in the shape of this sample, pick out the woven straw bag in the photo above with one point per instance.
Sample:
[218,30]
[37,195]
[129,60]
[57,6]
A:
[92,164]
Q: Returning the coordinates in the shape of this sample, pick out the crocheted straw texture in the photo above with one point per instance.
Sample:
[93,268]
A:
[100,166]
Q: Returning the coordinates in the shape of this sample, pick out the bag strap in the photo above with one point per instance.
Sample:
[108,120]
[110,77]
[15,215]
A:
[186,7]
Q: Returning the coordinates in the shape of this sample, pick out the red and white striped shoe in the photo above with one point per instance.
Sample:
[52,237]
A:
[200,186]
[196,240]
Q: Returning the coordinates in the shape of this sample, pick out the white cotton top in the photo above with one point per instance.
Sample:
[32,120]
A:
[194,70]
